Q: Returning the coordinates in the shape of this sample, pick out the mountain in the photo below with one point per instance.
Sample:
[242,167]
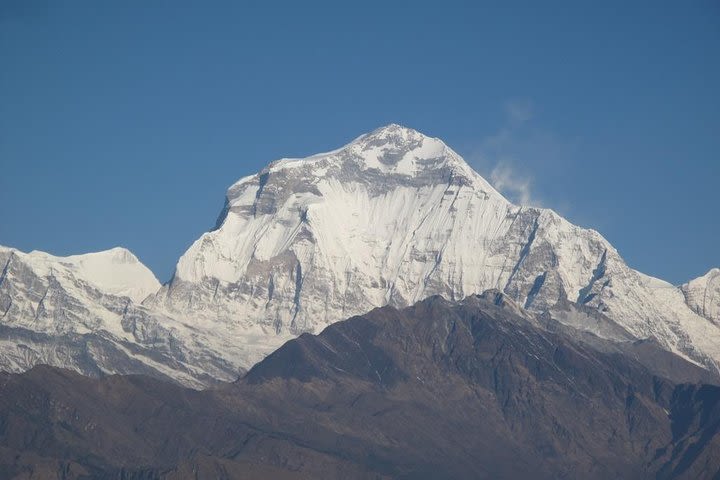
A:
[115,272]
[83,312]
[478,388]
[389,219]
[392,218]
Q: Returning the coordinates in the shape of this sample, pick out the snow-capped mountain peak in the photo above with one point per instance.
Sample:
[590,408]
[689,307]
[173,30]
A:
[394,149]
[82,312]
[116,271]
[391,218]
[386,156]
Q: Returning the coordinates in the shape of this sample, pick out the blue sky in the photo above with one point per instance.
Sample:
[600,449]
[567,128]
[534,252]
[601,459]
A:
[122,123]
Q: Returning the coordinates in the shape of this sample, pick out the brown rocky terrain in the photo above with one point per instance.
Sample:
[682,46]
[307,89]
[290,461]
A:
[470,389]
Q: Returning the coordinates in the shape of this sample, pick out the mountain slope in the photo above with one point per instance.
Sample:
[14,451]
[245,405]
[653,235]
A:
[389,219]
[470,389]
[82,312]
[115,272]
[703,295]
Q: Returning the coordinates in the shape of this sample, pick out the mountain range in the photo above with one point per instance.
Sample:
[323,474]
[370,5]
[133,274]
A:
[391,218]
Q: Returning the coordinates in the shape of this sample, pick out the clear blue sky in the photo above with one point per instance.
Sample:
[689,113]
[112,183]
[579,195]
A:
[123,123]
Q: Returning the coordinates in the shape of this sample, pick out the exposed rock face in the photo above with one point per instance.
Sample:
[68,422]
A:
[473,389]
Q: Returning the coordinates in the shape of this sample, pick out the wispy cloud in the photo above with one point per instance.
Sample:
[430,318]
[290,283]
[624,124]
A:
[518,111]
[506,180]
[523,159]
[496,155]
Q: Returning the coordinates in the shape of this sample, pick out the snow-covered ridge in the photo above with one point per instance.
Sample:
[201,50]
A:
[391,149]
[703,295]
[82,312]
[116,271]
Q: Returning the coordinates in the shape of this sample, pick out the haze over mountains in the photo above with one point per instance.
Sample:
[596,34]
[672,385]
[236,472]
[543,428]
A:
[389,219]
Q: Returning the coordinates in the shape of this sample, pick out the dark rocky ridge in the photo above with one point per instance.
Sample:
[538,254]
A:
[475,389]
